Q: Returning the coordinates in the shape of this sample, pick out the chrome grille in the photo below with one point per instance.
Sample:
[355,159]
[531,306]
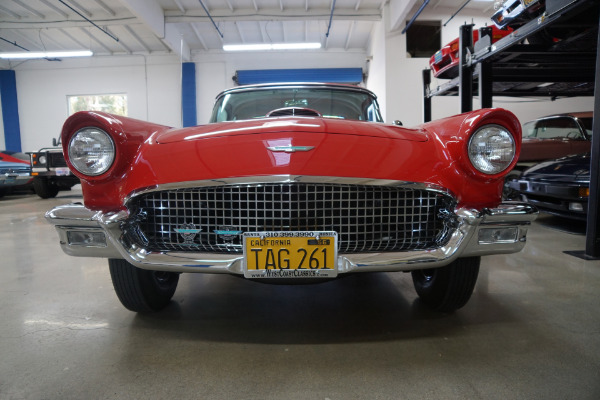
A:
[367,218]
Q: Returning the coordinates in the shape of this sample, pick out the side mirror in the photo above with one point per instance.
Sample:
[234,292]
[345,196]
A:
[54,142]
[398,122]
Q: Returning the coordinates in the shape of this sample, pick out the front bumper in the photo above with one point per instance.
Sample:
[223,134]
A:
[499,230]
[557,198]
[14,179]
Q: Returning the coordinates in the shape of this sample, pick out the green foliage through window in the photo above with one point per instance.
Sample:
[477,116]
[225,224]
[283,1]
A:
[109,103]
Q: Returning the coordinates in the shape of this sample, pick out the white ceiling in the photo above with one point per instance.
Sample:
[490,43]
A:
[183,27]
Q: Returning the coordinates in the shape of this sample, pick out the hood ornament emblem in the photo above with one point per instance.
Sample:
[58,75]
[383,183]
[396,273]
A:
[290,148]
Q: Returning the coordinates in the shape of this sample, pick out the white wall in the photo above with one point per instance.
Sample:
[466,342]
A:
[376,76]
[152,87]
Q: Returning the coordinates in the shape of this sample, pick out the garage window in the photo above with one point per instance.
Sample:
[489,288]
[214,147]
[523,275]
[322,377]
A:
[424,38]
[109,103]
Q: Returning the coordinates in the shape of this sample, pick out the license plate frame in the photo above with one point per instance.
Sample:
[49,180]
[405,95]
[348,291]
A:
[289,254]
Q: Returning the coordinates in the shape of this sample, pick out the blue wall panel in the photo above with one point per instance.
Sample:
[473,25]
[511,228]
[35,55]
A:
[328,75]
[10,110]
[188,94]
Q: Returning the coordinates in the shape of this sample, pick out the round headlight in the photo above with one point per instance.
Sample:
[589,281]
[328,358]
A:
[42,159]
[491,149]
[91,151]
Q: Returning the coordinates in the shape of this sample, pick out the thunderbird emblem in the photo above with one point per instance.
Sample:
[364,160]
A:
[227,233]
[188,232]
[290,148]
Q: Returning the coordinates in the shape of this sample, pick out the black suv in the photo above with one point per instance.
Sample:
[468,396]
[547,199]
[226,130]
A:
[50,171]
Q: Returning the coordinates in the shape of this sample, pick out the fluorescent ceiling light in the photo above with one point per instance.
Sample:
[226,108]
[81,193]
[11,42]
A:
[274,46]
[46,54]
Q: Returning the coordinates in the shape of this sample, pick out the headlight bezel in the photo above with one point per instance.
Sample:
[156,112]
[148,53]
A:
[485,164]
[109,151]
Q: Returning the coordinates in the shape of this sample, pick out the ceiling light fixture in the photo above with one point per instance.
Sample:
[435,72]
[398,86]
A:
[46,54]
[274,46]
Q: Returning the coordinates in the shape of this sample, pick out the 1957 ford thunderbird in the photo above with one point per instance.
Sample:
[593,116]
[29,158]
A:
[292,183]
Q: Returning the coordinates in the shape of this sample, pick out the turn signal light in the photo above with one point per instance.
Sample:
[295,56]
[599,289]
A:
[584,192]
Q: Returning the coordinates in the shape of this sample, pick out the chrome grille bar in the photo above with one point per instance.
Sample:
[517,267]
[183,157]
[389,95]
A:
[368,218]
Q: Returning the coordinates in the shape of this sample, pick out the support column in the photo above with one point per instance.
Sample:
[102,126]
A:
[10,110]
[484,70]
[465,89]
[592,243]
[426,98]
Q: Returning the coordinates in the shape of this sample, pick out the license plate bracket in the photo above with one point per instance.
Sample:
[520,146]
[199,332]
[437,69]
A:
[272,255]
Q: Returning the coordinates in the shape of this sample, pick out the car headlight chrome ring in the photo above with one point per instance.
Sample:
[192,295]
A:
[91,151]
[491,149]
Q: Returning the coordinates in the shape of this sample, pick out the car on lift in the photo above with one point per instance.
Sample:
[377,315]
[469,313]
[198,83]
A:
[50,171]
[560,187]
[292,183]
[444,63]
[15,172]
[515,13]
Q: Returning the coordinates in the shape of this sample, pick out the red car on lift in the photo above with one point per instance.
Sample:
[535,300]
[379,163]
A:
[292,183]
[444,63]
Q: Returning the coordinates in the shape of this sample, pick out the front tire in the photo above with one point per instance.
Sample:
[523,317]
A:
[43,187]
[141,290]
[448,288]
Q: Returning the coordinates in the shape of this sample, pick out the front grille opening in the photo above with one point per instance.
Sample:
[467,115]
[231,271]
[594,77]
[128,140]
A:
[367,218]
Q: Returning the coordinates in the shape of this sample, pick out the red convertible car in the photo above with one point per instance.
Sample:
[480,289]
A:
[292,183]
[444,63]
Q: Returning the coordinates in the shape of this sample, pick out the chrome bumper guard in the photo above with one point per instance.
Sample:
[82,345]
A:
[501,230]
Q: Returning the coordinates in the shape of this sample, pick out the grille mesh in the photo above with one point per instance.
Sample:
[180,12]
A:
[367,218]
[56,159]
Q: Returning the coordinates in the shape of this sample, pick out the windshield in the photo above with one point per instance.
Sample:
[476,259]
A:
[330,103]
[587,124]
[558,128]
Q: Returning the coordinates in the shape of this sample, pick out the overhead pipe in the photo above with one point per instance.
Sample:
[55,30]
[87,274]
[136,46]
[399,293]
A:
[89,20]
[331,17]
[459,10]
[14,44]
[415,16]
[211,18]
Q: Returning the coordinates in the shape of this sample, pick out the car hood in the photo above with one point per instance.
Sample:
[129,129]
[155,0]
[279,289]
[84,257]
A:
[567,169]
[291,124]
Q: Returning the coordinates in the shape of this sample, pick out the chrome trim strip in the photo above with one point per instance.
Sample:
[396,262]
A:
[257,180]
[300,85]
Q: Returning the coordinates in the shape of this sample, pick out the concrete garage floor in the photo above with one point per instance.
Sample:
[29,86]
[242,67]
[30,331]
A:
[531,330]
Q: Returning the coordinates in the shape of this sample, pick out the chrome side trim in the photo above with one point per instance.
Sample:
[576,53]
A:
[463,242]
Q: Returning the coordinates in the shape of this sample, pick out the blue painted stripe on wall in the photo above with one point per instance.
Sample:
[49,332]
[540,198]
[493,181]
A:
[10,110]
[188,94]
[328,75]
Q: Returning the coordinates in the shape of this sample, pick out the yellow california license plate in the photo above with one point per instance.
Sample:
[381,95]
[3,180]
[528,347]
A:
[290,254]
